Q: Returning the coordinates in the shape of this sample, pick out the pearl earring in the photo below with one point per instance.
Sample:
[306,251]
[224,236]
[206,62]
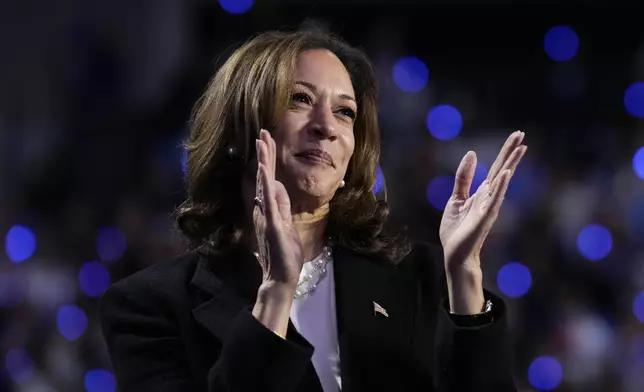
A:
[342,184]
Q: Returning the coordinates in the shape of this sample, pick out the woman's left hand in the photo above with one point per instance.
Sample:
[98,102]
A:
[467,220]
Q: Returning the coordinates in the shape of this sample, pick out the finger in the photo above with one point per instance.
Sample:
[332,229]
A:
[464,176]
[514,159]
[513,141]
[270,144]
[499,187]
[270,205]
[259,191]
[262,151]
[270,156]
[260,227]
[274,153]
[283,201]
[259,222]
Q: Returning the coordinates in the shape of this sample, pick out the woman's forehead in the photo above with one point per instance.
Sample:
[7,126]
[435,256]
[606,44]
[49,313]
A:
[323,70]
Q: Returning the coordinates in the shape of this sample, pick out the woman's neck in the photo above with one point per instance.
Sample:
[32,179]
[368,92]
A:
[311,227]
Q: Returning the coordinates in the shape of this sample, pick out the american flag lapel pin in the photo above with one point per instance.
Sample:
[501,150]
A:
[379,309]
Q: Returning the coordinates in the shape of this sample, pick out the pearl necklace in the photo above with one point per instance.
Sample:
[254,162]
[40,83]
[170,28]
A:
[318,271]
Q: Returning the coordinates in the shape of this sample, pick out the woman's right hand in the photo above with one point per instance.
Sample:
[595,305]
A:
[279,247]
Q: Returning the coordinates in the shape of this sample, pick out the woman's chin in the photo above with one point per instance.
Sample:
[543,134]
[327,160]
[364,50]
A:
[313,191]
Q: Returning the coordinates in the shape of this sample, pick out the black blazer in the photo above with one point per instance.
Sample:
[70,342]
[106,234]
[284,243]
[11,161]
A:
[186,325]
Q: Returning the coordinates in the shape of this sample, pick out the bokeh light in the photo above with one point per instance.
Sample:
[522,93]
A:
[72,322]
[638,163]
[93,278]
[638,306]
[236,6]
[19,365]
[594,242]
[99,380]
[561,43]
[439,191]
[514,279]
[20,243]
[410,74]
[377,187]
[634,99]
[545,373]
[444,122]
[110,244]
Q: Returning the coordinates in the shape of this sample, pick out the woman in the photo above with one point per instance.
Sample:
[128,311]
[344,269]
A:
[294,283]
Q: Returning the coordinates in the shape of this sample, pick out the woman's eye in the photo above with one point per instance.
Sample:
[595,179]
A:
[302,98]
[348,113]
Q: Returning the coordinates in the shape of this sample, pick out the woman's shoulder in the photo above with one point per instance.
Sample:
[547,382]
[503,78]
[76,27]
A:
[425,257]
[425,250]
[167,278]
[422,251]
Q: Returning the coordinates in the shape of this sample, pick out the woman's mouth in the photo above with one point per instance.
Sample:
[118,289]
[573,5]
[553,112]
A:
[316,156]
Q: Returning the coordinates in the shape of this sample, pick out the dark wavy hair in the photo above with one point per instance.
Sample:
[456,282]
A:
[252,90]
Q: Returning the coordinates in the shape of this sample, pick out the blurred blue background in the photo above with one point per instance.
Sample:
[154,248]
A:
[94,100]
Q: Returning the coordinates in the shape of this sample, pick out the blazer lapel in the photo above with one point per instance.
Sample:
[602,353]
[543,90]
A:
[223,287]
[374,308]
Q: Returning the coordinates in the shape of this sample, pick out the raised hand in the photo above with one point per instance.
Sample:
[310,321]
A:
[467,220]
[279,247]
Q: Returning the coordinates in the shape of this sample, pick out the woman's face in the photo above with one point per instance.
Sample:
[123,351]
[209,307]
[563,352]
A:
[315,138]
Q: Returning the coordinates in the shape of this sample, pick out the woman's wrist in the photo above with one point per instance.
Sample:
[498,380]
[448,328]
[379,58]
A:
[273,306]
[465,292]
[273,290]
